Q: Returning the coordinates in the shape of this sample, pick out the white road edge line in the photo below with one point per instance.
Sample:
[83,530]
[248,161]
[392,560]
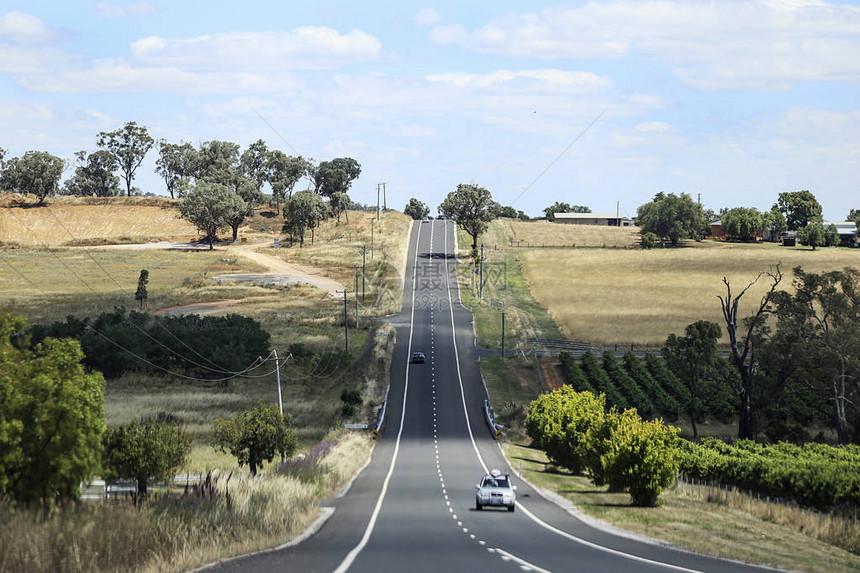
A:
[530,515]
[350,557]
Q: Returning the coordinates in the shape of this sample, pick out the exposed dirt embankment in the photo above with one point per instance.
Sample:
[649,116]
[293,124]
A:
[66,225]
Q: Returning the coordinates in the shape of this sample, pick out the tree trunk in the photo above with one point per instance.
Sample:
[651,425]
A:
[235,231]
[142,486]
[840,420]
[253,466]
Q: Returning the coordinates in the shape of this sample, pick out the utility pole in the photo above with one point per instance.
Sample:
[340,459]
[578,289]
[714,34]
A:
[481,275]
[377,200]
[356,267]
[503,336]
[363,263]
[345,322]
[384,202]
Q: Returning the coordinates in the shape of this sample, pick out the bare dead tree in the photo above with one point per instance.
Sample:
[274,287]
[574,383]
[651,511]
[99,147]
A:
[742,343]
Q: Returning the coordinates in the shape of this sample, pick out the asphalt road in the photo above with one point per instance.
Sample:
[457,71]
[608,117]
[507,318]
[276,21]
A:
[413,508]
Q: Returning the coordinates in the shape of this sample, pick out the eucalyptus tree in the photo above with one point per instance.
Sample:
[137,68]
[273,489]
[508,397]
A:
[129,145]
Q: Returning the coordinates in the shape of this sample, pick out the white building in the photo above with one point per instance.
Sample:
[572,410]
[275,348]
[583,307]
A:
[605,219]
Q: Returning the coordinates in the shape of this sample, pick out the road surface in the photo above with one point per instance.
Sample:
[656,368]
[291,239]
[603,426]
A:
[413,508]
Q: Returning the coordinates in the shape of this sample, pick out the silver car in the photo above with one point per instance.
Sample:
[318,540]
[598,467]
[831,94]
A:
[495,490]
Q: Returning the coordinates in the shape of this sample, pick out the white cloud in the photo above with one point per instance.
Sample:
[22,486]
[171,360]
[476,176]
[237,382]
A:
[524,80]
[18,27]
[111,76]
[763,44]
[131,10]
[303,48]
[427,17]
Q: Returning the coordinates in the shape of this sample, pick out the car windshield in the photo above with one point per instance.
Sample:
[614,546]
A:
[496,482]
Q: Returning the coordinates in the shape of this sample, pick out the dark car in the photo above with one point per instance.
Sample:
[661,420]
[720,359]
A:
[417,358]
[441,217]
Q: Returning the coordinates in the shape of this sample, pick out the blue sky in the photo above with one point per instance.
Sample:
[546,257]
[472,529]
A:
[733,101]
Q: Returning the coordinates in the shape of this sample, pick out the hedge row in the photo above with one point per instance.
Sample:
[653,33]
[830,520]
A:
[813,475]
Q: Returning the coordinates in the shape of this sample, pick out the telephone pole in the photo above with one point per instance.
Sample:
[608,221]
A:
[356,267]
[503,336]
[384,202]
[363,263]
[345,322]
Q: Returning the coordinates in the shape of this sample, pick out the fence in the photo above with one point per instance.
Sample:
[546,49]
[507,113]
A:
[122,489]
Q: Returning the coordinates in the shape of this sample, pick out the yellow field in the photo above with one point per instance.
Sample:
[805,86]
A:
[542,233]
[66,224]
[641,296]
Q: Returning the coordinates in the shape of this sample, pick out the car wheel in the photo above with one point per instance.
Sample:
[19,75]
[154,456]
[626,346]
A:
[478,505]
[511,507]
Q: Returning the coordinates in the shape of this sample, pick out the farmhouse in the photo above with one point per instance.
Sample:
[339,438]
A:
[605,219]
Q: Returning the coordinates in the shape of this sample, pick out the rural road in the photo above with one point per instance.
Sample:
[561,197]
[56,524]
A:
[412,508]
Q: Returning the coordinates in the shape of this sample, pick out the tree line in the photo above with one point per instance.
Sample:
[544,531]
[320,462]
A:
[218,183]
[670,218]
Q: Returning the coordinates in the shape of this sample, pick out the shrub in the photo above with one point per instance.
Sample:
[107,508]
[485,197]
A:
[558,421]
[642,456]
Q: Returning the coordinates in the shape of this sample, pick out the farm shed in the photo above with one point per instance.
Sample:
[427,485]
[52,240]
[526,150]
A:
[604,219]
[847,232]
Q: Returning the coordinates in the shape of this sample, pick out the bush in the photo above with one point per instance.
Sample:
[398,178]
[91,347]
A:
[558,421]
[641,457]
[649,240]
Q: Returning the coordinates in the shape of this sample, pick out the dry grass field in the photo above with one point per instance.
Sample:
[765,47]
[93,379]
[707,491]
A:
[62,224]
[542,233]
[641,296]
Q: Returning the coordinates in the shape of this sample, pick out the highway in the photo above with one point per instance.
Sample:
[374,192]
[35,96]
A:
[413,507]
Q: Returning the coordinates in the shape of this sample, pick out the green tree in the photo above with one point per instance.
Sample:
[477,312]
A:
[556,207]
[210,206]
[558,421]
[774,222]
[218,162]
[673,217]
[743,344]
[472,208]
[823,315]
[416,209]
[141,295]
[303,211]
[853,214]
[253,163]
[129,145]
[148,451]
[339,203]
[176,164]
[742,224]
[831,236]
[255,436]
[799,209]
[335,176]
[691,358]
[51,417]
[283,172]
[36,172]
[640,457]
[812,235]
[94,175]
